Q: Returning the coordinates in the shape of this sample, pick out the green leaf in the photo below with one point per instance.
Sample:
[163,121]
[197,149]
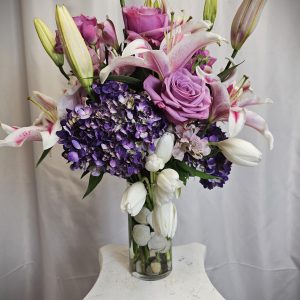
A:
[125,79]
[192,171]
[84,174]
[43,156]
[93,182]
[227,72]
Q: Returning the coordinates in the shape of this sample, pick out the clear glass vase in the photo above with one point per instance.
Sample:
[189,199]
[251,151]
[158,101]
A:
[150,254]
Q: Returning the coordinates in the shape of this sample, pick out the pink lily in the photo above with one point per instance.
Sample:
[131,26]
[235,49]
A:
[158,60]
[231,104]
[44,128]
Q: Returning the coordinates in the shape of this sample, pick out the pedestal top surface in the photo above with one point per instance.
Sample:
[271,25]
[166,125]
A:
[187,281]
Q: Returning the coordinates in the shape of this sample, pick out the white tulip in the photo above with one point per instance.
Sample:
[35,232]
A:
[141,217]
[154,163]
[134,198]
[141,234]
[168,181]
[165,220]
[240,152]
[161,197]
[164,147]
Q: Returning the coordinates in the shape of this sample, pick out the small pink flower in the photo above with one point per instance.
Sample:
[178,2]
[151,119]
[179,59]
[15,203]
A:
[189,142]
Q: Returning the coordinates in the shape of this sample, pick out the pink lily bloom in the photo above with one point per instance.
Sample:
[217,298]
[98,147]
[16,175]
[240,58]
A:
[140,54]
[44,128]
[230,104]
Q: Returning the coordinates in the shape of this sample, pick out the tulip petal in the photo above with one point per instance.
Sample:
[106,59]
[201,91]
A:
[255,121]
[236,121]
[185,49]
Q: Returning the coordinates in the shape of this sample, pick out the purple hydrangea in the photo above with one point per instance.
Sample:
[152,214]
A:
[113,132]
[214,164]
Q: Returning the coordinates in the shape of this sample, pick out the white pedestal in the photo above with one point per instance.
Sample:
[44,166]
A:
[187,281]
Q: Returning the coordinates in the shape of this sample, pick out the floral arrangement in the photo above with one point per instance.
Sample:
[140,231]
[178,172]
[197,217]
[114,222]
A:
[148,109]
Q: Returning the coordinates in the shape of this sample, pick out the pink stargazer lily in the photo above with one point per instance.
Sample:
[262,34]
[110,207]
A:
[231,104]
[164,61]
[44,128]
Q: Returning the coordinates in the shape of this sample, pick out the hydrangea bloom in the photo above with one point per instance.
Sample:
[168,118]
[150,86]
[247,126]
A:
[215,164]
[113,132]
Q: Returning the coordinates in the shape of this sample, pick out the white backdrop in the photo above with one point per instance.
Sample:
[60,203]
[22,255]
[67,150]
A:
[49,237]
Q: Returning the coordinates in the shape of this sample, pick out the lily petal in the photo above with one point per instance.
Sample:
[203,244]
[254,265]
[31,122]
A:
[249,98]
[47,102]
[236,121]
[49,138]
[17,137]
[185,49]
[136,47]
[255,121]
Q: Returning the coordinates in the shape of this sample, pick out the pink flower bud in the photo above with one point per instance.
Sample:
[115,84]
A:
[245,21]
[108,33]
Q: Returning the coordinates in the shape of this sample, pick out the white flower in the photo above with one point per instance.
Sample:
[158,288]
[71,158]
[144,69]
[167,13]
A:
[154,163]
[134,198]
[141,234]
[164,147]
[161,197]
[165,220]
[240,152]
[141,217]
[168,181]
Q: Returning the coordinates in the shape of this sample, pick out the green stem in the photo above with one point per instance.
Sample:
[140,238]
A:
[233,55]
[122,3]
[64,73]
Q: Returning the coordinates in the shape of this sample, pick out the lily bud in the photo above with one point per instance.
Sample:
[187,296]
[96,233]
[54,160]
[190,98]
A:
[245,21]
[74,47]
[164,147]
[134,198]
[240,152]
[47,38]
[210,11]
[154,163]
[108,34]
[165,220]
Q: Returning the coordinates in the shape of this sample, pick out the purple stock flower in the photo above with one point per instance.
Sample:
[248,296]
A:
[113,133]
[214,164]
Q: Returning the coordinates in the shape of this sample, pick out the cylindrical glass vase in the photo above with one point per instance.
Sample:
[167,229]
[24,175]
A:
[150,254]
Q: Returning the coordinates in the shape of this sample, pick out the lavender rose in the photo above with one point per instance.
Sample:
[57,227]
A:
[181,95]
[145,22]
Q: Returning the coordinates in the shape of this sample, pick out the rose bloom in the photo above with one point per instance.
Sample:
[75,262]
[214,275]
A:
[181,95]
[146,22]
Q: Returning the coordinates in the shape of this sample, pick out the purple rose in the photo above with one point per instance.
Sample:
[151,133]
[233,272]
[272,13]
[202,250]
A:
[88,28]
[181,95]
[108,33]
[146,22]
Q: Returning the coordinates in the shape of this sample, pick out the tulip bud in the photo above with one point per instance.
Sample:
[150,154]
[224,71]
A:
[154,163]
[240,152]
[164,147]
[47,38]
[108,34]
[168,181]
[134,198]
[165,220]
[210,11]
[74,47]
[245,21]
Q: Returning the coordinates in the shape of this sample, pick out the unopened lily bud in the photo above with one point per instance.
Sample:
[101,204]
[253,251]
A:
[210,11]
[134,198]
[240,152]
[47,38]
[164,147]
[245,21]
[74,47]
